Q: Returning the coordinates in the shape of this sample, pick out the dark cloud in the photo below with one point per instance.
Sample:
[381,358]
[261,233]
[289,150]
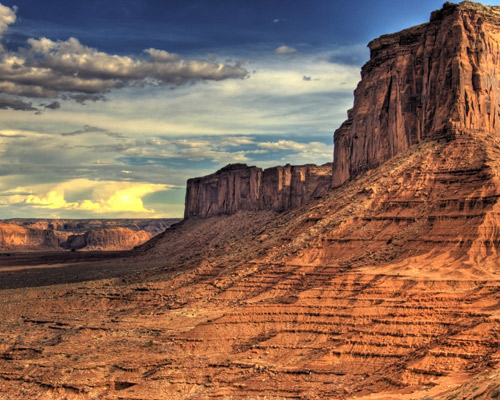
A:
[13,103]
[115,135]
[85,129]
[70,70]
[92,129]
[83,97]
[55,105]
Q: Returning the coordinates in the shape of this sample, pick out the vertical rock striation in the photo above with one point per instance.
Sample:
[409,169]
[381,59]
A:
[436,80]
[240,187]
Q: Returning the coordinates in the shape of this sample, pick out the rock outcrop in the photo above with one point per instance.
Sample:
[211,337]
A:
[435,80]
[238,187]
[70,234]
[108,239]
[14,236]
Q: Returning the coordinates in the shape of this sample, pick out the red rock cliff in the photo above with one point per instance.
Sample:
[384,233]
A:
[435,80]
[240,187]
[20,234]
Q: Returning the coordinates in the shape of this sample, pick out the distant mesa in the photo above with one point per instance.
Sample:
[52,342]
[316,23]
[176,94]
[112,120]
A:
[68,234]
[238,187]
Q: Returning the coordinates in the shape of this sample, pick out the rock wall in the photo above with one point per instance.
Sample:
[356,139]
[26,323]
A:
[19,237]
[240,187]
[435,80]
[89,234]
[108,239]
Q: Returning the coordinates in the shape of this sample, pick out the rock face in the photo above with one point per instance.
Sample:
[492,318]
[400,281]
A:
[14,236]
[98,234]
[435,80]
[238,187]
[108,239]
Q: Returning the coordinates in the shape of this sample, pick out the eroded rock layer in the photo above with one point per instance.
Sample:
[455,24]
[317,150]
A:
[98,234]
[435,80]
[386,288]
[238,187]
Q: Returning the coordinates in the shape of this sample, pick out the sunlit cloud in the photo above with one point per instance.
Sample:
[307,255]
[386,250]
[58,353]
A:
[7,17]
[285,50]
[96,197]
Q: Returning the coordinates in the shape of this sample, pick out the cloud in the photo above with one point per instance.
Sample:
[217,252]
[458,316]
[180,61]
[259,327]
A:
[85,129]
[96,197]
[7,17]
[297,152]
[55,105]
[11,136]
[81,98]
[285,50]
[306,78]
[68,69]
[13,103]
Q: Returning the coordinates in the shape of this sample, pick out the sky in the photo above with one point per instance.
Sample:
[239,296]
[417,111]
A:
[108,107]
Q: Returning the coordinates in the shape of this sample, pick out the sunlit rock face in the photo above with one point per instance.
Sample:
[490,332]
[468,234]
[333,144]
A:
[435,80]
[70,234]
[238,187]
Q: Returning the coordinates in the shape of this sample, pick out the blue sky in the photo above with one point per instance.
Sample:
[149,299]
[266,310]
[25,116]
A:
[108,107]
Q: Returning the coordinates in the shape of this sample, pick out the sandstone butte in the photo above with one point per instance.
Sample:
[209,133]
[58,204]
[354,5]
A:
[238,187]
[385,287]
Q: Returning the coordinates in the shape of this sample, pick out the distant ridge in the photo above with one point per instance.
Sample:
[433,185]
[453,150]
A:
[21,234]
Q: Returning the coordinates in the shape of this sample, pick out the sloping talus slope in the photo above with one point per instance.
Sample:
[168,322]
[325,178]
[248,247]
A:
[387,285]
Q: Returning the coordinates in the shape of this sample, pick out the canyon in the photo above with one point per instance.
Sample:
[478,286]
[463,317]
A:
[375,278]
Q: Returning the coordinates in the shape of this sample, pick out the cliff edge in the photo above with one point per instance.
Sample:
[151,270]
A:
[238,187]
[436,80]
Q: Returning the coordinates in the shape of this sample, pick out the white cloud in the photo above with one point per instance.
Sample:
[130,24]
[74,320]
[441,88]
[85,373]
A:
[285,50]
[7,17]
[303,153]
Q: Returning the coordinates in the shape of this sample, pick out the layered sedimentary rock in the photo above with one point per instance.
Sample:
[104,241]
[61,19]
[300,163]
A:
[435,80]
[14,236]
[238,187]
[152,225]
[89,234]
[108,239]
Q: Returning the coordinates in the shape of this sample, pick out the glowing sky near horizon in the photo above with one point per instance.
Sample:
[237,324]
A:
[108,107]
